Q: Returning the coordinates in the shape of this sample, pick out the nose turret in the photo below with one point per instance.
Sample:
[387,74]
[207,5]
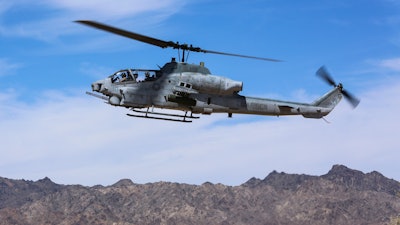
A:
[96,86]
[99,86]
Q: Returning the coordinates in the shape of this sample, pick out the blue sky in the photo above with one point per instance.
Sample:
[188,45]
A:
[49,127]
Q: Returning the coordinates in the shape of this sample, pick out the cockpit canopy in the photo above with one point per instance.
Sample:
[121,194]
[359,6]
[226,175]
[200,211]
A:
[141,75]
[135,75]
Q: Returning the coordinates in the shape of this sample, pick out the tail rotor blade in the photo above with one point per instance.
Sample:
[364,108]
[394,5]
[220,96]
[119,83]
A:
[324,74]
[354,101]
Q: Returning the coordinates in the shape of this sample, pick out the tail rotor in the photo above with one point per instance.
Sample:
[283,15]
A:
[324,75]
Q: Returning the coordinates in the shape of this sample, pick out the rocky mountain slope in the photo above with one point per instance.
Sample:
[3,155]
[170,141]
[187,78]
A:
[342,196]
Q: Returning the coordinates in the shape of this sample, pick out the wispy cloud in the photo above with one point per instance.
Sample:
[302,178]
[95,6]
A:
[51,26]
[4,6]
[115,9]
[8,67]
[391,64]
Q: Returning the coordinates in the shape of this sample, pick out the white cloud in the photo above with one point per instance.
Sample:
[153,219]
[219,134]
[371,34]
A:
[76,139]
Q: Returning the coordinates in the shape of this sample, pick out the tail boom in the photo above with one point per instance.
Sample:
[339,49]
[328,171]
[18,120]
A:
[237,104]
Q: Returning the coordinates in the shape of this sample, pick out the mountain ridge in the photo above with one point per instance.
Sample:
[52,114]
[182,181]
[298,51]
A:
[342,196]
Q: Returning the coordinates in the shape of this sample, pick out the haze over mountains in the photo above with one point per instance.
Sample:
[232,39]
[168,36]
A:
[342,196]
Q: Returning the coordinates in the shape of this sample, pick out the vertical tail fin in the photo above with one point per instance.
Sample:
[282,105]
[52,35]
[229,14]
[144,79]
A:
[330,99]
[324,105]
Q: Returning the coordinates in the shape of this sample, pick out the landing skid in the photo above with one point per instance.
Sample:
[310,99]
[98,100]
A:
[162,116]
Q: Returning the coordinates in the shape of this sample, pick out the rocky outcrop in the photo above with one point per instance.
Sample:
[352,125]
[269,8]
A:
[342,196]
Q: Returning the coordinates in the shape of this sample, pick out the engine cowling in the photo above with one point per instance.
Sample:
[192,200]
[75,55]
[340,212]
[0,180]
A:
[213,84]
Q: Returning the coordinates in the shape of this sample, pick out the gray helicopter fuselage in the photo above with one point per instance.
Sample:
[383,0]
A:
[192,88]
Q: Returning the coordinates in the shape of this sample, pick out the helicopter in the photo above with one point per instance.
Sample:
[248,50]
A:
[193,90]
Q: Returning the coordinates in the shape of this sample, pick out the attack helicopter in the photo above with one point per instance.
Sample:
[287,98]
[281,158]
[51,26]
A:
[193,90]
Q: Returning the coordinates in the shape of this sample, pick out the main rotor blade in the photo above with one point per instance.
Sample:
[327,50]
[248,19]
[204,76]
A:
[129,34]
[324,74]
[238,55]
[161,43]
